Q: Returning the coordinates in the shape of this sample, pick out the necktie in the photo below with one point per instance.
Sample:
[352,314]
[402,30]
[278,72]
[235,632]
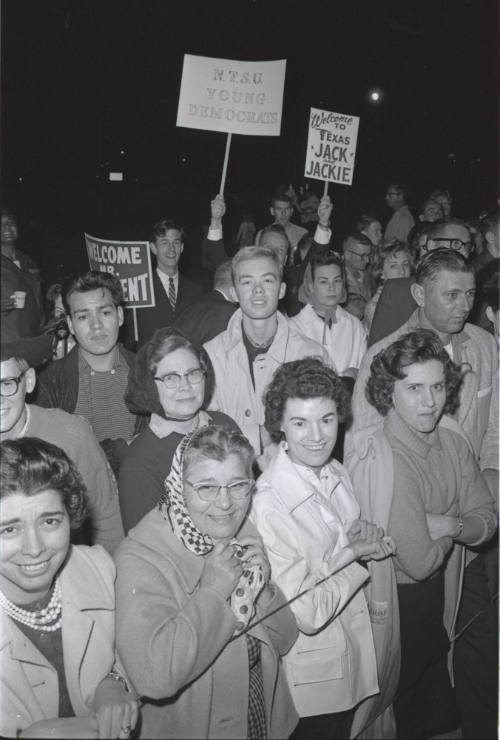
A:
[171,292]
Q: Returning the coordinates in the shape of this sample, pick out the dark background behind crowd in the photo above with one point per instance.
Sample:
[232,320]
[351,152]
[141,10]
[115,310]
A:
[89,88]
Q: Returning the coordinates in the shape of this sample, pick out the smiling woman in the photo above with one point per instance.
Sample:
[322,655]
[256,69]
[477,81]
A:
[192,579]
[310,522]
[60,676]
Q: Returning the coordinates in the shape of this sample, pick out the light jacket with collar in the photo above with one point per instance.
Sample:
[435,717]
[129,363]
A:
[175,638]
[29,690]
[477,413]
[234,391]
[331,667]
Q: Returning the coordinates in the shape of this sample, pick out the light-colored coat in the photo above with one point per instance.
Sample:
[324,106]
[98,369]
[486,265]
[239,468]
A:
[234,391]
[478,411]
[176,641]
[29,689]
[332,665]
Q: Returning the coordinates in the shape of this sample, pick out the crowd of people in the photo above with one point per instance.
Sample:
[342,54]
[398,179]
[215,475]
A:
[272,512]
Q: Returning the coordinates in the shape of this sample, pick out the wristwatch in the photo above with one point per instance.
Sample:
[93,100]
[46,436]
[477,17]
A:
[460,527]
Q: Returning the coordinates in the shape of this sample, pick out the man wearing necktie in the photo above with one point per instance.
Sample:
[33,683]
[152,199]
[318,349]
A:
[173,291]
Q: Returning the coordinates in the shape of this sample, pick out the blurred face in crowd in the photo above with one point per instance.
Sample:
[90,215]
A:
[94,320]
[374,232]
[328,286]
[397,265]
[168,250]
[447,300]
[357,255]
[258,287]
[278,243]
[12,400]
[432,211]
[420,397]
[9,230]
[282,211]
[394,197]
[310,427]
[34,542]
[452,236]
[222,517]
[180,381]
[445,203]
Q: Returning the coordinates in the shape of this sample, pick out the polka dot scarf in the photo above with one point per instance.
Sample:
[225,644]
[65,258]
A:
[173,508]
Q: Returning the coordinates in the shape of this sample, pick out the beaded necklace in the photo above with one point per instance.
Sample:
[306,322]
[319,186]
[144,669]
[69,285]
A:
[44,620]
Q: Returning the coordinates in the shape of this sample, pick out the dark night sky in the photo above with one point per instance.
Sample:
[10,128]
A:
[82,80]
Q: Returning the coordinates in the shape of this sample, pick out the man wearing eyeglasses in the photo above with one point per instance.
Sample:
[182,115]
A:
[70,432]
[402,221]
[357,250]
[173,291]
[453,234]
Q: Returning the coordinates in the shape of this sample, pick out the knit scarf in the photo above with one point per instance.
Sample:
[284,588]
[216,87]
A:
[174,510]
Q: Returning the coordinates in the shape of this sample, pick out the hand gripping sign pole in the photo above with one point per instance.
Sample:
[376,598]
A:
[231,96]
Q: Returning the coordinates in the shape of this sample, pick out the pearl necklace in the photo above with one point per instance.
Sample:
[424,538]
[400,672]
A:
[45,620]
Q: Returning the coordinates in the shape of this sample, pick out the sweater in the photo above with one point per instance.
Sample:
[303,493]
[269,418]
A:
[141,481]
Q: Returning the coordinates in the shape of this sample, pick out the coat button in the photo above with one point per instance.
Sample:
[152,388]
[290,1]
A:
[248,412]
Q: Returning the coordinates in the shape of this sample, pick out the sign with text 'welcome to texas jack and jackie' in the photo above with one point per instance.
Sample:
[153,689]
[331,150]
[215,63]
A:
[331,146]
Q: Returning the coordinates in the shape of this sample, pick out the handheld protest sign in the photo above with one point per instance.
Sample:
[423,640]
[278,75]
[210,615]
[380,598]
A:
[131,263]
[331,147]
[231,96]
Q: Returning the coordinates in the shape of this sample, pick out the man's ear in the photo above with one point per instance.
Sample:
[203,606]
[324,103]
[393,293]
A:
[271,211]
[181,249]
[418,294]
[152,247]
[119,311]
[490,315]
[282,292]
[70,324]
[30,380]
[233,295]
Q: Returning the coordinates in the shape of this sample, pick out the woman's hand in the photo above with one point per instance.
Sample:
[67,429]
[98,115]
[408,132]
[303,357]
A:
[221,570]
[116,709]
[65,727]
[255,554]
[363,530]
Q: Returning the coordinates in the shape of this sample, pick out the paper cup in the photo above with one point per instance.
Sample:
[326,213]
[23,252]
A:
[19,298]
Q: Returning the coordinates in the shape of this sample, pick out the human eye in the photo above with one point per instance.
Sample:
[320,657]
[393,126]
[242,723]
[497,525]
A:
[439,386]
[171,378]
[106,311]
[52,522]
[8,385]
[207,490]
[298,423]
[329,419]
[413,388]
[240,487]
[453,295]
[8,531]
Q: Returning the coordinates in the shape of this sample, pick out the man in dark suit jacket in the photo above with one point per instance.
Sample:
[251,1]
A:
[209,315]
[173,291]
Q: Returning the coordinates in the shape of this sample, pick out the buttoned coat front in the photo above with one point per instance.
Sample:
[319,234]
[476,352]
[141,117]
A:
[29,689]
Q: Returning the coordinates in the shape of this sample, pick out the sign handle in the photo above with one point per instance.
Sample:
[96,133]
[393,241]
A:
[325,191]
[136,331]
[224,167]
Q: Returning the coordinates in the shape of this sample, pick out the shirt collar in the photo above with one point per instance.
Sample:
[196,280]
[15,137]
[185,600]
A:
[118,361]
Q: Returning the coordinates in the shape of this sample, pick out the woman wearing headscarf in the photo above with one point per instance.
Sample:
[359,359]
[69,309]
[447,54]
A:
[172,380]
[199,623]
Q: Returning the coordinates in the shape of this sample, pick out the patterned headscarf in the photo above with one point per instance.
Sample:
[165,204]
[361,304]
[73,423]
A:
[173,507]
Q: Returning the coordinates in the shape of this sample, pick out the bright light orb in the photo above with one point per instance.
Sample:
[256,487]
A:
[375,96]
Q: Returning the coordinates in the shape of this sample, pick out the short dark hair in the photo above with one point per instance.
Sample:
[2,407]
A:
[357,236]
[388,366]
[438,260]
[324,258]
[168,339]
[441,225]
[92,280]
[162,226]
[400,187]
[273,229]
[365,220]
[217,443]
[29,465]
[283,197]
[306,378]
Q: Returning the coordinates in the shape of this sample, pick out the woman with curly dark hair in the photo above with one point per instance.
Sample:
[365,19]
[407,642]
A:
[310,522]
[436,502]
[59,674]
